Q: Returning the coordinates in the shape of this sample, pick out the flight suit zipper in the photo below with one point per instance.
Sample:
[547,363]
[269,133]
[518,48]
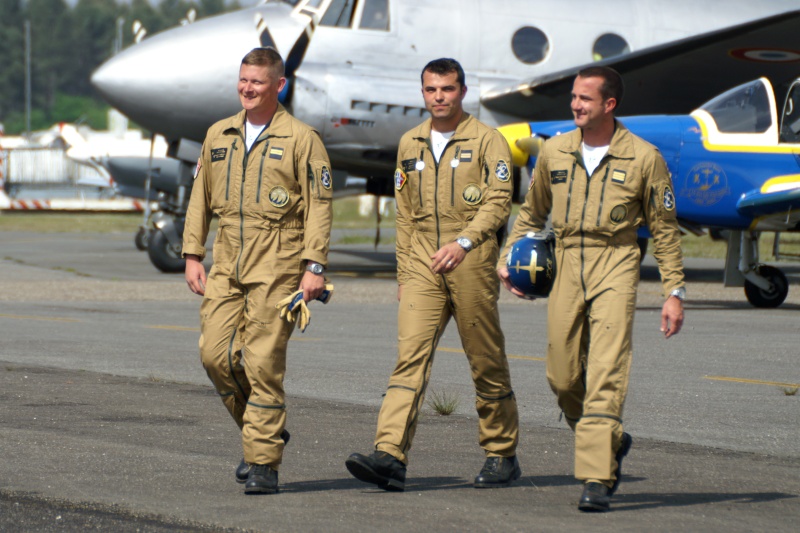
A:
[421,158]
[583,233]
[453,178]
[569,193]
[241,220]
[261,172]
[602,195]
[228,179]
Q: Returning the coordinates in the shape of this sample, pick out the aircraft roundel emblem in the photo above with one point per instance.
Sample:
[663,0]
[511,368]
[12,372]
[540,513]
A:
[399,179]
[669,198]
[502,171]
[325,177]
[278,196]
[472,194]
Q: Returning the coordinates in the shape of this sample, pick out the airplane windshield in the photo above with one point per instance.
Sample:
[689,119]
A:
[744,109]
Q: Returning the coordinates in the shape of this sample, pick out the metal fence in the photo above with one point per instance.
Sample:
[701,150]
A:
[45,167]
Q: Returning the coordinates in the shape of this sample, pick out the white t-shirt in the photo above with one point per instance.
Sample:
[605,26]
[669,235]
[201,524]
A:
[439,141]
[592,156]
[251,133]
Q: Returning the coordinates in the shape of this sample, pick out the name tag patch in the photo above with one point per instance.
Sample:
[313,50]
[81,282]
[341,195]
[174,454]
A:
[276,152]
[218,154]
[558,176]
[618,176]
[408,164]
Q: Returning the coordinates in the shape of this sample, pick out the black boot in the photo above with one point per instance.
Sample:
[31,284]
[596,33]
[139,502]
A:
[594,498]
[498,472]
[624,448]
[378,468]
[262,480]
[243,470]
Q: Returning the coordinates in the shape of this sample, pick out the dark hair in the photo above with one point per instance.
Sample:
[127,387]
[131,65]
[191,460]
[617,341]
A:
[444,66]
[612,87]
[265,57]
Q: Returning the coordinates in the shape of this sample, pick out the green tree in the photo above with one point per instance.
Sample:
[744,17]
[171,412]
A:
[93,37]
[52,64]
[12,51]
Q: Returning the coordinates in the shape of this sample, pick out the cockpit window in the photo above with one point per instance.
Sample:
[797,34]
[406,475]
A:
[375,15]
[744,109]
[339,14]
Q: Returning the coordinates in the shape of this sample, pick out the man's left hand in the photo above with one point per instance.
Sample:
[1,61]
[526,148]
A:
[447,258]
[672,316]
[312,285]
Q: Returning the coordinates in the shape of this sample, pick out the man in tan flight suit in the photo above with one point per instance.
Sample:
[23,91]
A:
[600,183]
[453,189]
[267,177]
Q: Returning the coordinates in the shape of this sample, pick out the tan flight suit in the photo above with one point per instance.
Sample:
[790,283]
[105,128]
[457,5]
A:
[591,306]
[274,209]
[468,194]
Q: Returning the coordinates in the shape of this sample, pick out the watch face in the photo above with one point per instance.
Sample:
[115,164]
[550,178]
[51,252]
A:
[316,269]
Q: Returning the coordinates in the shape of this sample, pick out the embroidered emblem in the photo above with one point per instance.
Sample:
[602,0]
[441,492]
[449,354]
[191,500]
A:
[618,176]
[669,199]
[502,171]
[618,214]
[276,152]
[278,196]
[408,164]
[558,176]
[218,154]
[399,179]
[199,166]
[472,194]
[325,177]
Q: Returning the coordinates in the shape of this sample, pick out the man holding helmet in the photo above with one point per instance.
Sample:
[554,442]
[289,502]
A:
[600,183]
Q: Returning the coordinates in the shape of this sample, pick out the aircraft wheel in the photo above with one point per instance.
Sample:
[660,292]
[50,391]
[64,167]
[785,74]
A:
[761,298]
[140,239]
[163,256]
[642,242]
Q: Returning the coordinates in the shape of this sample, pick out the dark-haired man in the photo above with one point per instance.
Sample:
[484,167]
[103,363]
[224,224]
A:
[599,183]
[267,177]
[453,189]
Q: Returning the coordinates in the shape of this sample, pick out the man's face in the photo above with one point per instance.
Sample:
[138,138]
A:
[442,94]
[259,88]
[588,106]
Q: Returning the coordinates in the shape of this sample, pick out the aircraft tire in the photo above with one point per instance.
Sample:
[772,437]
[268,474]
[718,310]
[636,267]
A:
[162,255]
[140,239]
[761,298]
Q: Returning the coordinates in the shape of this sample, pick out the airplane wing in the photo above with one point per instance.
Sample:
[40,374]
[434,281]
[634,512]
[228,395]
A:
[778,196]
[674,78]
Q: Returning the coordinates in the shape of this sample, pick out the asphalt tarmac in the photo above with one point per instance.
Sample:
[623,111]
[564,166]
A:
[110,423]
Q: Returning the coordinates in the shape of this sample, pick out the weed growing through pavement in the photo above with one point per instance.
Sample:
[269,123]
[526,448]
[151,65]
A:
[790,391]
[443,403]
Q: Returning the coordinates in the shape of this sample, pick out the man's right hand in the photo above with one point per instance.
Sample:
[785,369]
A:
[195,274]
[502,273]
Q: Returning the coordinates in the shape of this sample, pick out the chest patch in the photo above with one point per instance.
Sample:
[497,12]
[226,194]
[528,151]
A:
[408,164]
[471,194]
[502,171]
[466,156]
[276,152]
[399,179]
[618,214]
[669,198]
[218,154]
[618,176]
[278,196]
[558,176]
[325,177]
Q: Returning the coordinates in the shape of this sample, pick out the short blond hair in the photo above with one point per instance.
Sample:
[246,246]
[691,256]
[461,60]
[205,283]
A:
[265,57]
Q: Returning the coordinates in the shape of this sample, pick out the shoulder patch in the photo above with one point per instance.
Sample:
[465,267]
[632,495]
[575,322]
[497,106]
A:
[669,198]
[399,179]
[502,171]
[408,164]
[218,154]
[325,177]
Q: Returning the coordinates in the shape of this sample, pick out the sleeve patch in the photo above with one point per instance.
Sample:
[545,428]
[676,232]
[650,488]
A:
[502,171]
[325,177]
[399,179]
[669,199]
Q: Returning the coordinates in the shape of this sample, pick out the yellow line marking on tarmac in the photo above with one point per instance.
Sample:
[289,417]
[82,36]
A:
[753,381]
[46,318]
[510,356]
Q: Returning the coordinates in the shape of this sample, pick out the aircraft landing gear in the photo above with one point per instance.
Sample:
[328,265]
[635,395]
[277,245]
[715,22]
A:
[140,239]
[163,255]
[772,297]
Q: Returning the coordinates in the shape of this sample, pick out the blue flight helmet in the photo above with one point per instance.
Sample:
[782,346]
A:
[532,264]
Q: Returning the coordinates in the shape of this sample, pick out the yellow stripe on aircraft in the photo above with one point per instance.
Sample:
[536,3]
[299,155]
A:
[781,183]
[776,149]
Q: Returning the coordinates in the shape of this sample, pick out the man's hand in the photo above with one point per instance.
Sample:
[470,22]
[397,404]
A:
[195,274]
[312,286]
[672,316]
[447,258]
[502,273]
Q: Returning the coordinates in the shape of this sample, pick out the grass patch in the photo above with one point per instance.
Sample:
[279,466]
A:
[44,222]
[790,391]
[443,402]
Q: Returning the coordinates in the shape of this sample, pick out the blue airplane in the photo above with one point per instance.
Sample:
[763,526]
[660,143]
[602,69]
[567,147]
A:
[735,167]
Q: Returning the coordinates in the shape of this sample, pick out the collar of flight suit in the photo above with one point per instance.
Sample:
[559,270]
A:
[280,126]
[467,128]
[621,146]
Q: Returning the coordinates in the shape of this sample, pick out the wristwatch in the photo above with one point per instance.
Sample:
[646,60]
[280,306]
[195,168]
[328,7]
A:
[315,268]
[679,293]
[465,243]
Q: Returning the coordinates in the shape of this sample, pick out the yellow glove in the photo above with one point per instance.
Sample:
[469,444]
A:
[301,315]
[294,309]
[287,304]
